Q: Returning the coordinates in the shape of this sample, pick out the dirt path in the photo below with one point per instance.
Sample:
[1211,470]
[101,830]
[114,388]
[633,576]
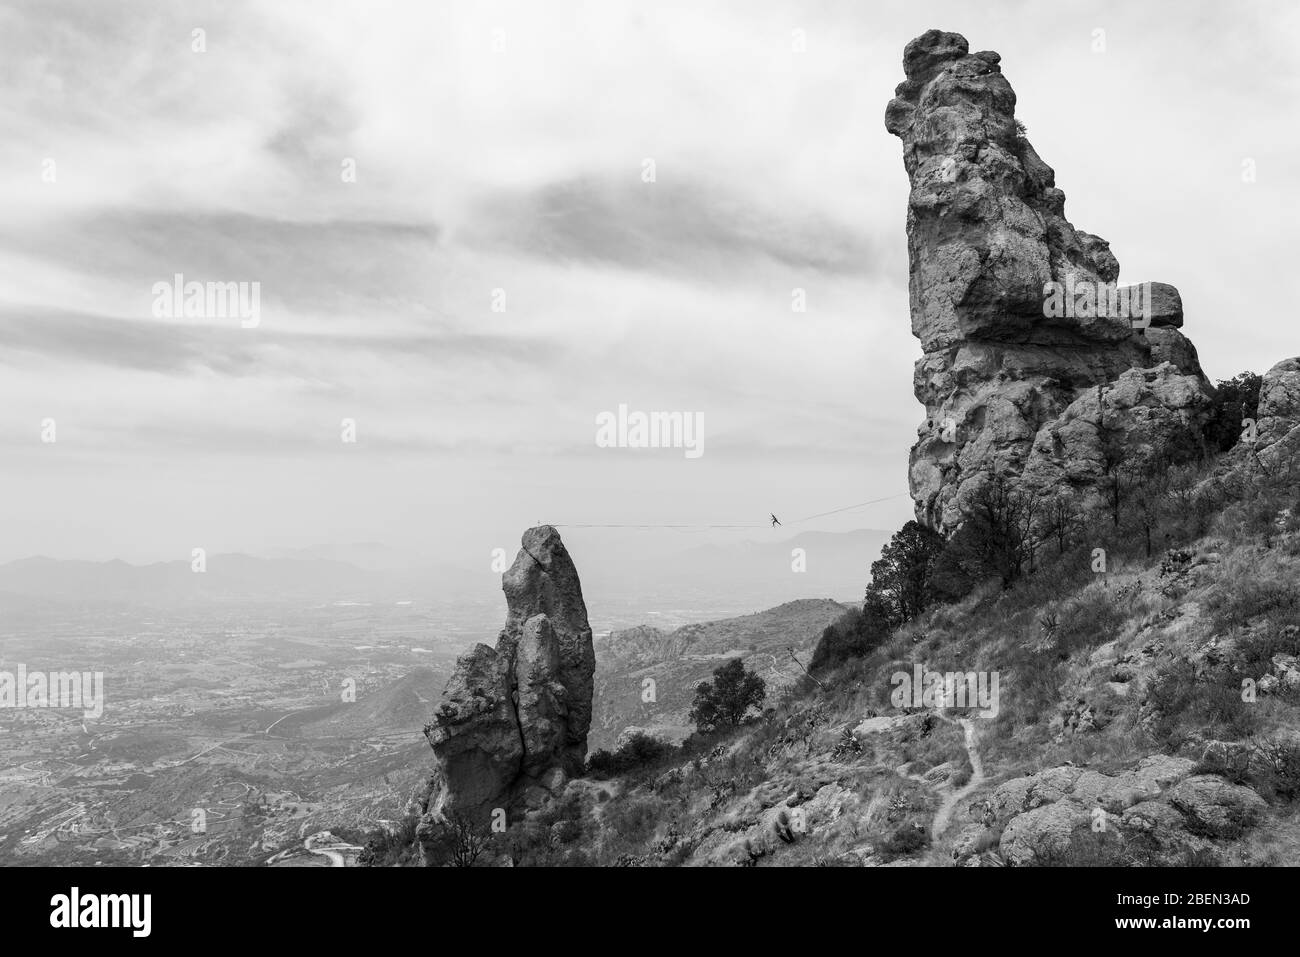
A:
[944,814]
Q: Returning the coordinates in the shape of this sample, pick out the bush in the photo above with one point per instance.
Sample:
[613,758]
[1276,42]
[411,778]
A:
[389,847]
[902,579]
[1092,618]
[1182,703]
[904,839]
[457,841]
[726,701]
[633,820]
[1235,399]
[855,635]
[636,752]
[998,538]
[1280,769]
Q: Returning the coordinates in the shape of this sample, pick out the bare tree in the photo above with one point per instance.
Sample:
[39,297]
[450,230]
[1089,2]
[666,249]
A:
[454,840]
[1062,517]
[1148,498]
[466,841]
[999,534]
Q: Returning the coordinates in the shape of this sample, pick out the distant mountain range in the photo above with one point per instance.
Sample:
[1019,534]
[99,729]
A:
[225,578]
[748,574]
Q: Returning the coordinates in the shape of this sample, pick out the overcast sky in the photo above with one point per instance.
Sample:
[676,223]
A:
[501,146]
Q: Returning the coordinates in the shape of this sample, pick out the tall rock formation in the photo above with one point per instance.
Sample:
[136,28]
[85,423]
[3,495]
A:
[1278,441]
[1012,363]
[513,720]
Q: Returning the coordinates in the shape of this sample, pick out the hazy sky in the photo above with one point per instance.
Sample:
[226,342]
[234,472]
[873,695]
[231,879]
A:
[501,146]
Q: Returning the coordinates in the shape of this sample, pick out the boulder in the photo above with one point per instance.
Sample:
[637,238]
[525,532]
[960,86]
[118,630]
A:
[1036,835]
[1044,815]
[1164,305]
[1278,418]
[1215,807]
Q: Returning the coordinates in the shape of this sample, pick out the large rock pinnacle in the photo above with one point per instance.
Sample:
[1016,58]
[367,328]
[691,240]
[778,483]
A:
[513,720]
[1018,313]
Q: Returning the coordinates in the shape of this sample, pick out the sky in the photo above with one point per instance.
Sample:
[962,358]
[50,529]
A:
[500,157]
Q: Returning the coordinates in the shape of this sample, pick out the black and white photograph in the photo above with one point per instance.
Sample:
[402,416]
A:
[470,434]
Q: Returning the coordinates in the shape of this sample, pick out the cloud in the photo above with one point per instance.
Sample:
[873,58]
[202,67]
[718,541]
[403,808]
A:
[175,347]
[680,225]
[519,169]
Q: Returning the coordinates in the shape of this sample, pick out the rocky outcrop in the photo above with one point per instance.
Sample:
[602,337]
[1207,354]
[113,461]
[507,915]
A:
[1278,424]
[1160,806]
[1019,314]
[513,721]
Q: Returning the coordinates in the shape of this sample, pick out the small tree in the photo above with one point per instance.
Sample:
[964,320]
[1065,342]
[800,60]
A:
[454,841]
[902,579]
[637,751]
[466,841]
[1235,400]
[725,702]
[1116,468]
[852,636]
[1062,517]
[1149,494]
[998,536]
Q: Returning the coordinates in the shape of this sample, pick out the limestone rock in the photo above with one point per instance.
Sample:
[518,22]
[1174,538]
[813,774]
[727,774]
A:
[1159,799]
[1279,413]
[475,733]
[1009,380]
[1043,831]
[1166,306]
[512,725]
[1215,807]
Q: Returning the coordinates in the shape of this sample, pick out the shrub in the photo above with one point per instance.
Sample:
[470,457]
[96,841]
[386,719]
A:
[1281,768]
[855,635]
[1183,703]
[1235,399]
[389,847]
[633,819]
[902,579]
[905,839]
[726,701]
[458,841]
[636,752]
[1092,618]
[998,538]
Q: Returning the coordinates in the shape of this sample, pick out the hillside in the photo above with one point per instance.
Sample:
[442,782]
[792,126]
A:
[1122,732]
[677,661]
[398,707]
